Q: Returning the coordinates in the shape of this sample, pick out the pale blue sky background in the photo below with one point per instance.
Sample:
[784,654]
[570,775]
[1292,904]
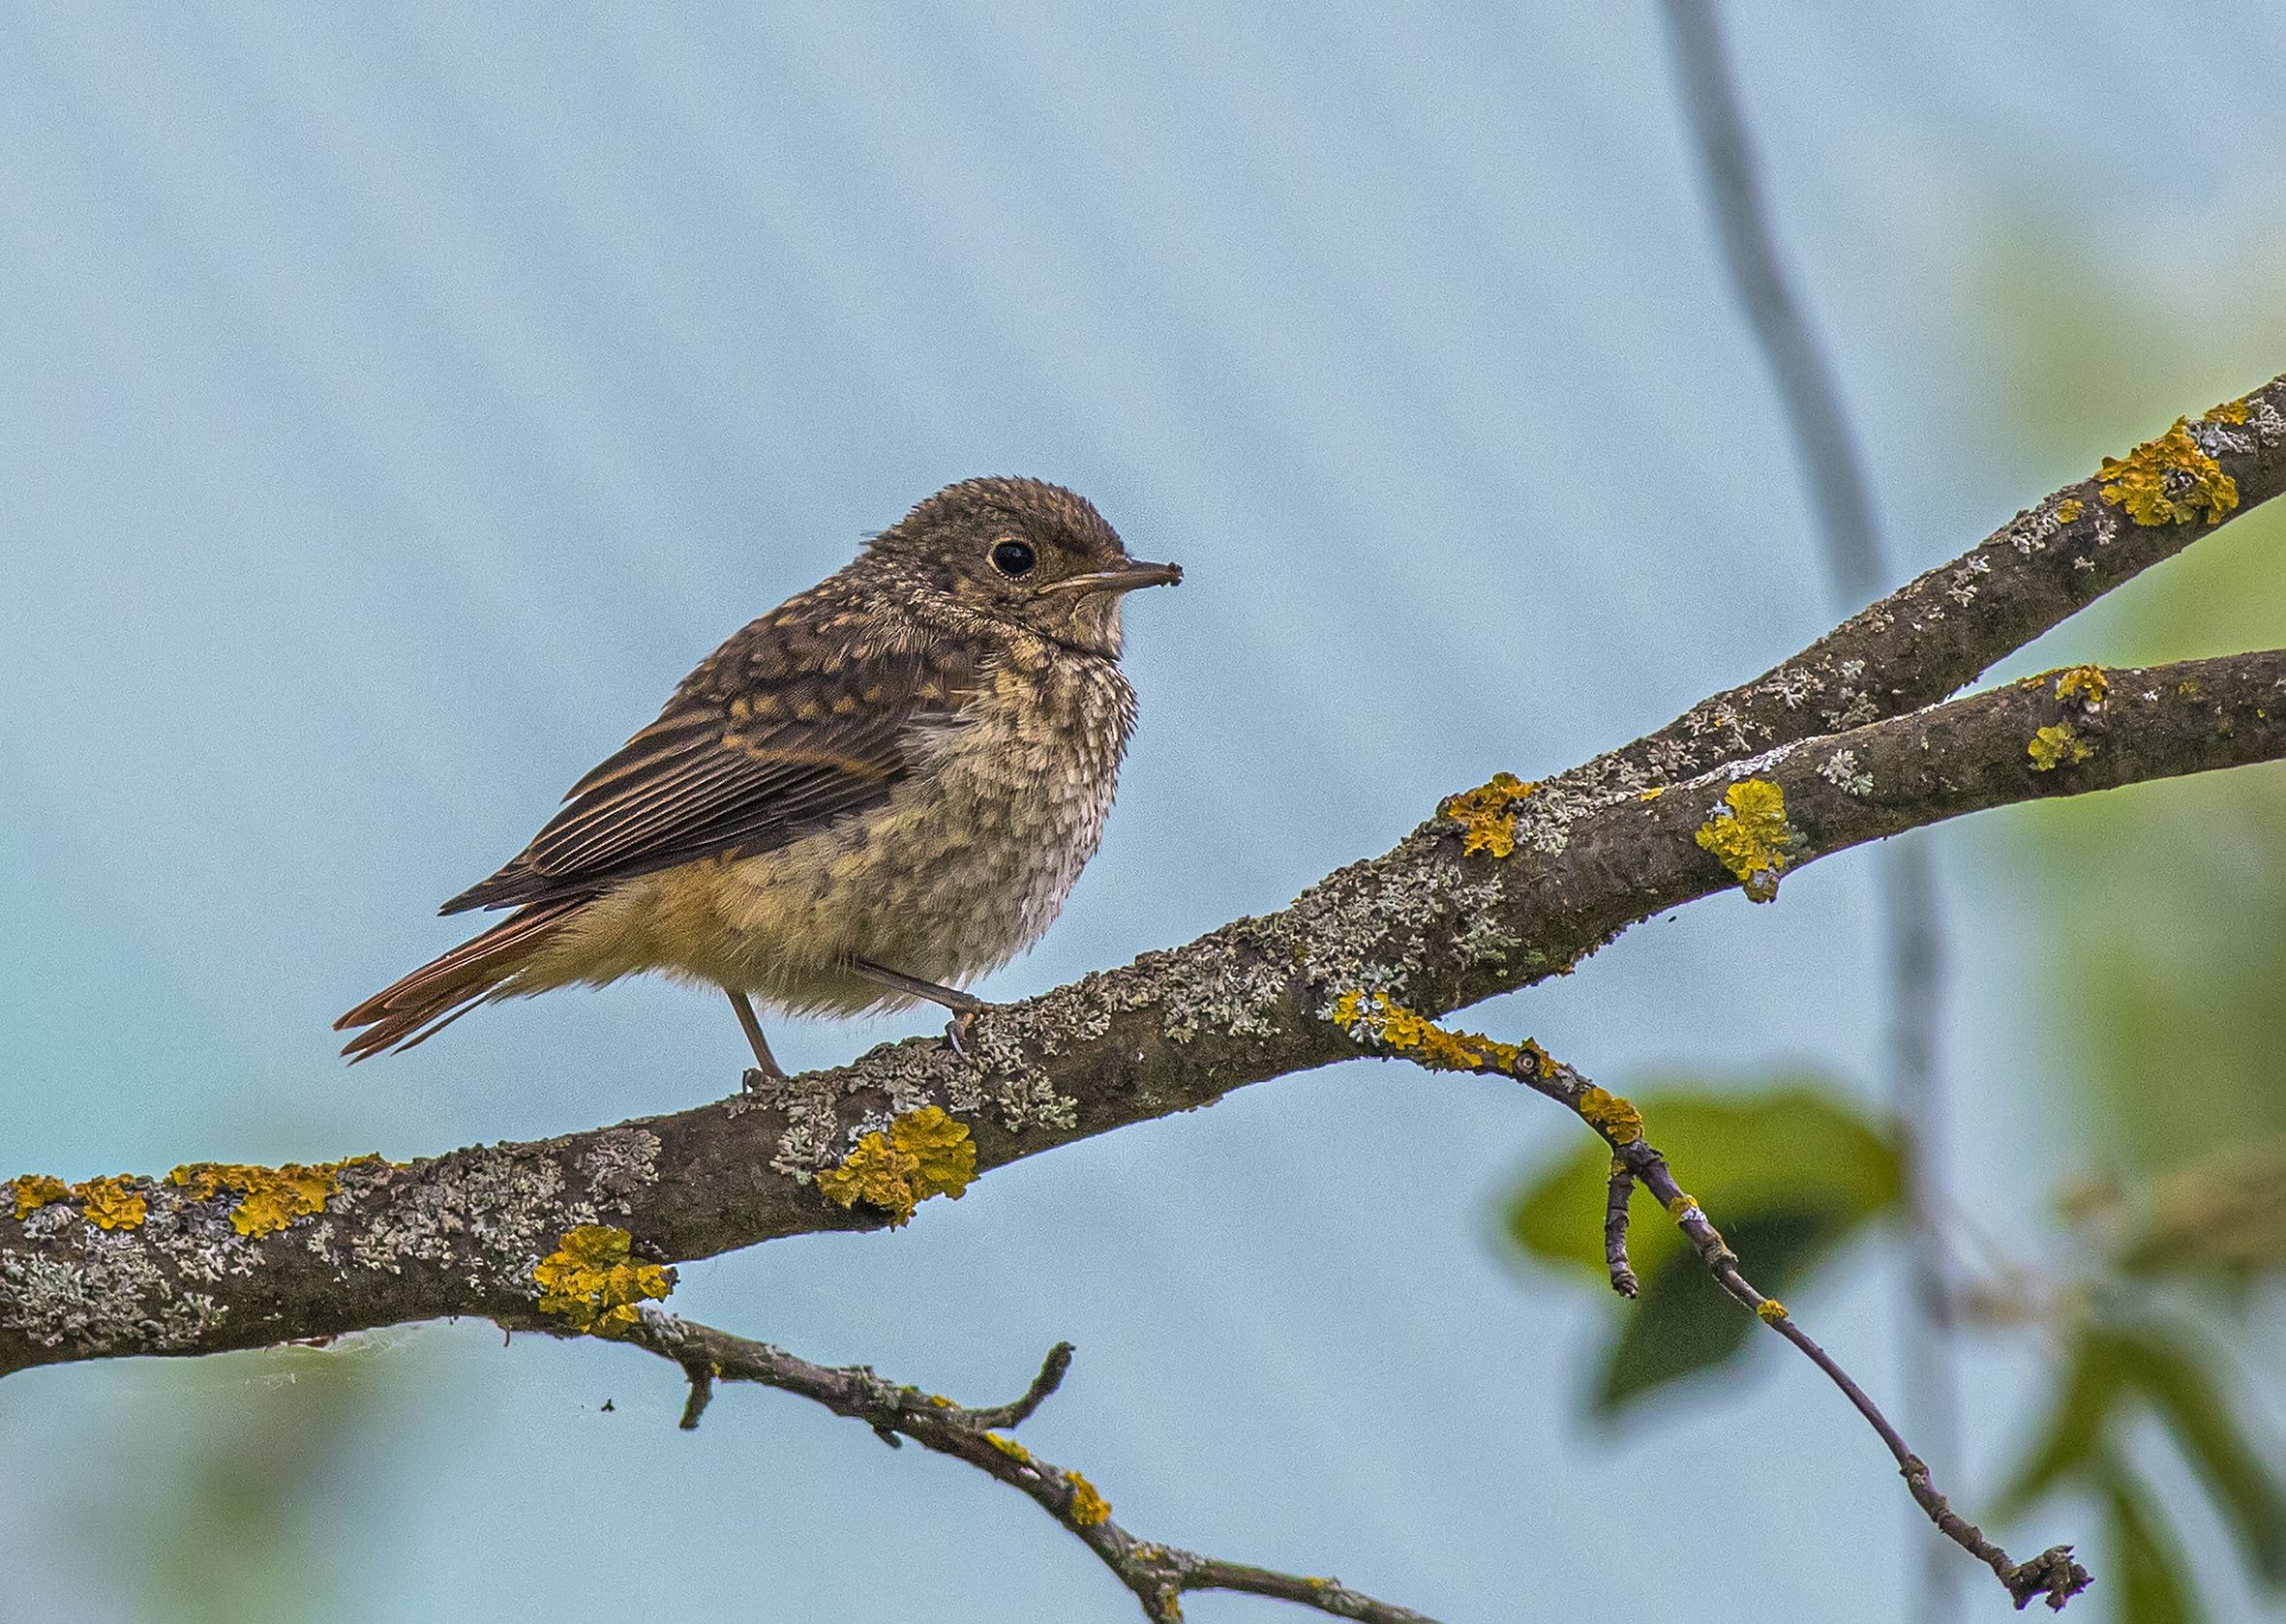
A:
[393,407]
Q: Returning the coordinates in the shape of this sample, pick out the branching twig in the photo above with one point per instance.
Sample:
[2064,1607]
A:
[1615,1199]
[1157,1575]
[1387,1028]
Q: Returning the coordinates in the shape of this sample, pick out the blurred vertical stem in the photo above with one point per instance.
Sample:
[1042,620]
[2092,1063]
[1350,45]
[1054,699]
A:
[1907,879]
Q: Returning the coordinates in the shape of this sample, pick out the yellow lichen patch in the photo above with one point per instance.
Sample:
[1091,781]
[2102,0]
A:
[1088,1505]
[34,1191]
[1682,1206]
[1426,1044]
[592,1282]
[1486,814]
[1771,1310]
[1750,836]
[2056,745]
[947,1154]
[2169,481]
[2068,510]
[1611,1115]
[875,1173]
[1653,793]
[2232,412]
[2086,683]
[1008,1447]
[269,1198]
[924,1153]
[111,1203]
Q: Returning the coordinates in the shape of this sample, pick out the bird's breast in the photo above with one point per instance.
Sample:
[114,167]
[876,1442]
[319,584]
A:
[983,844]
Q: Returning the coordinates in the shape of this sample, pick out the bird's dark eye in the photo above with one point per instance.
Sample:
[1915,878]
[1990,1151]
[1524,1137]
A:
[1012,557]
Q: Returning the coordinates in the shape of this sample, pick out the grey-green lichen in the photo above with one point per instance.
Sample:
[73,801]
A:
[110,1295]
[1841,770]
[620,1163]
[808,1140]
[1026,1098]
[1233,981]
[490,1211]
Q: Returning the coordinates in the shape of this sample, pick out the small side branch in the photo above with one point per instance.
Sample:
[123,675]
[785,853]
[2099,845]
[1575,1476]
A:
[1390,1029]
[1622,1186]
[1157,1575]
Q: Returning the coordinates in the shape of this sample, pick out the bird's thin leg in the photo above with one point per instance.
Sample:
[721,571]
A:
[764,1062]
[965,1006]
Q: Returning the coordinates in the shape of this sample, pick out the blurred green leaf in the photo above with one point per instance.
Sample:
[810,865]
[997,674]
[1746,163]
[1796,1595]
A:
[1684,1323]
[2147,1572]
[2166,1369]
[220,1501]
[1788,1174]
[1800,1145]
[2177,1375]
[2094,1378]
[2166,908]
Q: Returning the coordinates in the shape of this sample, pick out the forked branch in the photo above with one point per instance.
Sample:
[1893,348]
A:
[1158,1574]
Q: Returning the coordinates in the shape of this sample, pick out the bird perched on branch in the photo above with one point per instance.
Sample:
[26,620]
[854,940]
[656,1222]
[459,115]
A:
[877,793]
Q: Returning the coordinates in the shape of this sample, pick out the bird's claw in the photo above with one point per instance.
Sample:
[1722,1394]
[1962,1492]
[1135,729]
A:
[958,1029]
[757,1081]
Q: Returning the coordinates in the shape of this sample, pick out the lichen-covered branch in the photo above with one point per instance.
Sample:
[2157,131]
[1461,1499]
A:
[209,1259]
[1157,1575]
[1942,630]
[1506,885]
[1384,1026]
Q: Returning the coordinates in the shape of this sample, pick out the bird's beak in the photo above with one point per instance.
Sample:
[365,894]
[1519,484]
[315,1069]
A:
[1124,579]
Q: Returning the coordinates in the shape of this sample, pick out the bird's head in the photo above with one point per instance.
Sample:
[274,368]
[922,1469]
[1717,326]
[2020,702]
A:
[1026,552]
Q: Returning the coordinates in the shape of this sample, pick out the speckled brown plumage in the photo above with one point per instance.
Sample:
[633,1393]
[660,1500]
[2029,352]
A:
[906,765]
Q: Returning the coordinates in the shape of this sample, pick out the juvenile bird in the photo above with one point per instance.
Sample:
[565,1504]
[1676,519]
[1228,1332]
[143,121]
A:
[877,793]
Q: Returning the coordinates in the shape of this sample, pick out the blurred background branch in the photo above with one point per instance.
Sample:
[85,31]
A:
[1841,500]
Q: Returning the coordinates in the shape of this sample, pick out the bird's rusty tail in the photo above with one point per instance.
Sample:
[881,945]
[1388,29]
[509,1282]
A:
[422,1004]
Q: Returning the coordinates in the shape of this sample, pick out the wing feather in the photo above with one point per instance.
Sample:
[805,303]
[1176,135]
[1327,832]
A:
[753,752]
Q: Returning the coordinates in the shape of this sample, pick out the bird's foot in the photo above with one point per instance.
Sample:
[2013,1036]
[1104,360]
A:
[958,1029]
[758,1081]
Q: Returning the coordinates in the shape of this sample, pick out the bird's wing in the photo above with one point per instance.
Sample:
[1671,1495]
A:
[766,742]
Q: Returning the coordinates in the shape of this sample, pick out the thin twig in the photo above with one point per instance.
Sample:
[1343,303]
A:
[1388,1028]
[1841,496]
[701,1375]
[1616,1198]
[1157,1575]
